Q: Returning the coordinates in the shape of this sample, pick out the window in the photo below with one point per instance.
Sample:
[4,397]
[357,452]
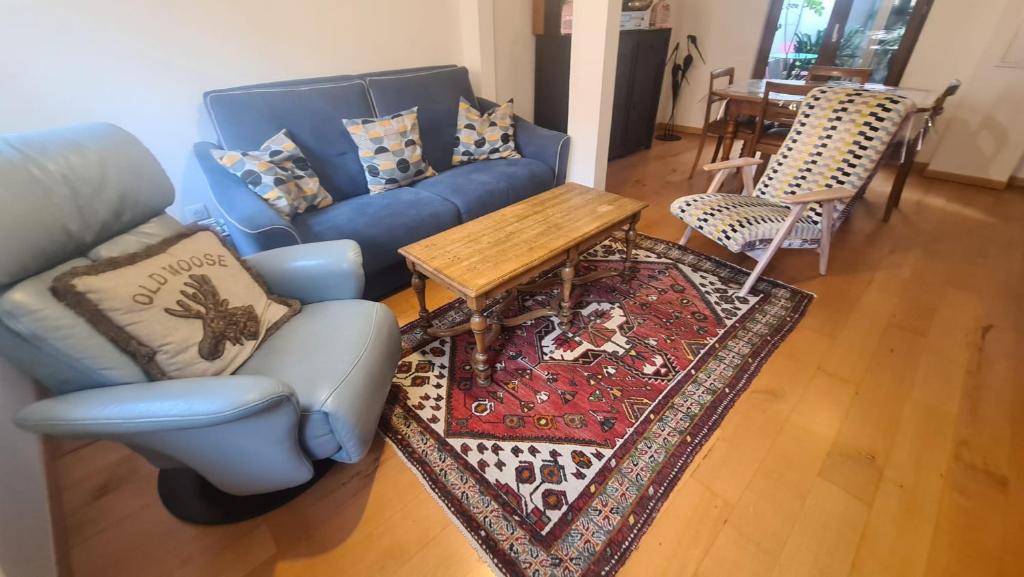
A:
[876,34]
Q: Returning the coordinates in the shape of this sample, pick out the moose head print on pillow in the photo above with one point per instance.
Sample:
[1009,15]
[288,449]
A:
[184,307]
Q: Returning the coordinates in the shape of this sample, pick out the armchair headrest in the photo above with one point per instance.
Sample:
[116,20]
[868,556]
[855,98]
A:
[66,190]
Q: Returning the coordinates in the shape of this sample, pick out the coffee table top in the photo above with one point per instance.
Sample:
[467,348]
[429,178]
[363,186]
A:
[485,253]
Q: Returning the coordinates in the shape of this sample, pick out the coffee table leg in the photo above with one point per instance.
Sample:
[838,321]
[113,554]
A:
[478,324]
[627,266]
[419,286]
[567,273]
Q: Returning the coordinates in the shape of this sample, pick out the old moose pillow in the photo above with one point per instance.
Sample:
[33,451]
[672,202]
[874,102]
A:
[184,307]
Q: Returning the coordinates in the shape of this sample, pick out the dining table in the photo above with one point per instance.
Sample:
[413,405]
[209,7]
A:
[743,99]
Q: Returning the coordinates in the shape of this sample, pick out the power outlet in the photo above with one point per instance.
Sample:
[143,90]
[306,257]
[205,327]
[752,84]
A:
[196,213]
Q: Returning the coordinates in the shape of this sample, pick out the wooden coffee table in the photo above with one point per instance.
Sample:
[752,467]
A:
[500,253]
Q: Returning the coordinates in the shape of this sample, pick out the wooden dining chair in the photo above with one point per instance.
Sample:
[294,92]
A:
[819,73]
[911,148]
[774,120]
[717,127]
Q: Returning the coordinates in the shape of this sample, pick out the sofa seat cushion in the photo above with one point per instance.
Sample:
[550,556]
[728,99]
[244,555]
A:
[435,94]
[380,223]
[485,186]
[339,357]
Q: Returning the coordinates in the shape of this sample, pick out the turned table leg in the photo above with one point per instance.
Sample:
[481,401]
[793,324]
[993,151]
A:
[567,273]
[730,135]
[478,324]
[627,265]
[419,286]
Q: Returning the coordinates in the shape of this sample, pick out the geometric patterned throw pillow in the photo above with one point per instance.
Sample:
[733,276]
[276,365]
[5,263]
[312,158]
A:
[390,149]
[484,136]
[279,173]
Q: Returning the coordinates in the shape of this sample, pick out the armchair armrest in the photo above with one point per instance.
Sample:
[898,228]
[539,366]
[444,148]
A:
[314,272]
[537,143]
[725,168]
[238,432]
[823,195]
[254,225]
[734,163]
[152,407]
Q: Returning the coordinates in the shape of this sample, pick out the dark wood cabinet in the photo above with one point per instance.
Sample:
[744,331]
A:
[551,82]
[638,77]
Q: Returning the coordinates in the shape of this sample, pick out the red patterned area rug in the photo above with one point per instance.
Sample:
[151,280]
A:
[559,466]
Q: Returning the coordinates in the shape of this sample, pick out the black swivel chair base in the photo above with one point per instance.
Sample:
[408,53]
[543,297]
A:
[191,498]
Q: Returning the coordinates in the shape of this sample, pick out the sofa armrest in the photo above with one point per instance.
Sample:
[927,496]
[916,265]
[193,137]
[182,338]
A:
[254,225]
[547,146]
[152,407]
[314,272]
[238,432]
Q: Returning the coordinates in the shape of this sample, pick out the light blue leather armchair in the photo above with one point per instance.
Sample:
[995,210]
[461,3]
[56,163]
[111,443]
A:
[228,447]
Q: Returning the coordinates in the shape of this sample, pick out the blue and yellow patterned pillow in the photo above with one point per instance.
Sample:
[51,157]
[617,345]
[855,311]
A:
[390,149]
[484,136]
[279,173]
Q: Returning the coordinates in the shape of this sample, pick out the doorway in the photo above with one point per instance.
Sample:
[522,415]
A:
[875,34]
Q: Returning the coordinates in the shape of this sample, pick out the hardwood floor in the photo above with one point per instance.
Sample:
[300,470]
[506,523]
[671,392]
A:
[884,438]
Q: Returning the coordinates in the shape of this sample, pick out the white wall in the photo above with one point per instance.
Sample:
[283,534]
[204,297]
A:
[476,25]
[144,64]
[515,53]
[729,32]
[26,542]
[978,120]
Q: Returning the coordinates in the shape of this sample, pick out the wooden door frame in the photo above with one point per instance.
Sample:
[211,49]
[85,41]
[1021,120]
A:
[900,59]
[764,49]
[834,31]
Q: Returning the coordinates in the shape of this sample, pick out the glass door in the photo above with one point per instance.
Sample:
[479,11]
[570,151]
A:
[873,35]
[876,34]
[799,34]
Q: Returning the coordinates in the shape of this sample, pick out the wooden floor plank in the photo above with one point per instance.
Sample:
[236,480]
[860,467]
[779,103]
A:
[861,448]
[915,422]
[898,533]
[825,535]
[677,548]
[972,525]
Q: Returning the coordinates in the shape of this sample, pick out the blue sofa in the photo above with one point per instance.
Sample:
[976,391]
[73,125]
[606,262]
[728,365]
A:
[312,109]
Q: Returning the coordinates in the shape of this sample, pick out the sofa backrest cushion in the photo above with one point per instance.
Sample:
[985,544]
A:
[66,190]
[311,110]
[436,94]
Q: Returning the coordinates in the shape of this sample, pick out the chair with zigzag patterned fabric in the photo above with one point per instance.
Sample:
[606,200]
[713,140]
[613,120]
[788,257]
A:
[825,164]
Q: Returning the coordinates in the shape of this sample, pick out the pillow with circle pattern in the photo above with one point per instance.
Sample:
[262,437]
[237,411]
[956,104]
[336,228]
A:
[279,173]
[390,149]
[483,136]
